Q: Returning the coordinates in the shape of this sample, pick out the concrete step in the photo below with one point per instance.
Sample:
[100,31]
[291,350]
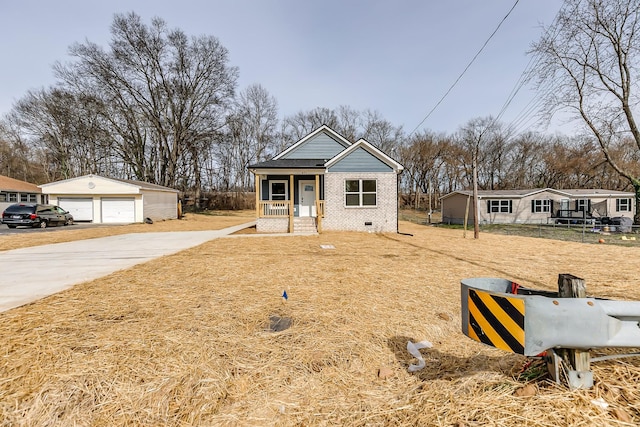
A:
[304,225]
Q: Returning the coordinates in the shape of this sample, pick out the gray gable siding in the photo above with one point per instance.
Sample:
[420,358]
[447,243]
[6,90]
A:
[361,161]
[321,146]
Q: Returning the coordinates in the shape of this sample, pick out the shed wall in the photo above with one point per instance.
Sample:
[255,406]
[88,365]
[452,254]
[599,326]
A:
[159,205]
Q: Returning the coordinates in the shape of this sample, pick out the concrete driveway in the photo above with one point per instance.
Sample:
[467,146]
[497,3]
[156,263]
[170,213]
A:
[32,273]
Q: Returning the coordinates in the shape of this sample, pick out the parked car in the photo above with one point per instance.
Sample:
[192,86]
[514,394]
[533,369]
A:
[68,218]
[35,215]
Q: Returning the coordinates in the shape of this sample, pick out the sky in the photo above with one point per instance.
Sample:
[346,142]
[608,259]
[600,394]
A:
[396,57]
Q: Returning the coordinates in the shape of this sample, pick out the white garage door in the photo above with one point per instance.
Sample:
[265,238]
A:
[118,209]
[81,209]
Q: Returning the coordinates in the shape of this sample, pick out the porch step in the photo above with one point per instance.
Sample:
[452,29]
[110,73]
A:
[304,225]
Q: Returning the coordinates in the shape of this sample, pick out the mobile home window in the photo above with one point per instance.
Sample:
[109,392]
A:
[360,192]
[499,206]
[278,190]
[623,205]
[583,205]
[539,206]
[3,197]
[13,197]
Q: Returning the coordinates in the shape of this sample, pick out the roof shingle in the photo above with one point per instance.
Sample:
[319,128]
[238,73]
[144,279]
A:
[11,184]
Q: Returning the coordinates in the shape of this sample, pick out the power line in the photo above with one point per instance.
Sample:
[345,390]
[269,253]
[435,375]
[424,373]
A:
[466,68]
[527,116]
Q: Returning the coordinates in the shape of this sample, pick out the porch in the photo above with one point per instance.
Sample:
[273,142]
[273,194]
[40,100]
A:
[290,203]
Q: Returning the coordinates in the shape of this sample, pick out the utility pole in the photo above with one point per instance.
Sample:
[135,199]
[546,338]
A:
[476,226]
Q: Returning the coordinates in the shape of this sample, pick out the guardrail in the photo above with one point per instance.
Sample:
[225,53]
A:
[502,314]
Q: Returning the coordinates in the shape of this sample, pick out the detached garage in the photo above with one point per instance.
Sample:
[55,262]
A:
[109,200]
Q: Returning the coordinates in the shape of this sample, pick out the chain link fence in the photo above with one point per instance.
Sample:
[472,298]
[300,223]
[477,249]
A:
[628,235]
[623,235]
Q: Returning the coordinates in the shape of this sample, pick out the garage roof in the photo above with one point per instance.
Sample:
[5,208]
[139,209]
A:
[145,185]
[139,185]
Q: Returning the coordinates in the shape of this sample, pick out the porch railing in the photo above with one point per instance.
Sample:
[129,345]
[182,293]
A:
[270,208]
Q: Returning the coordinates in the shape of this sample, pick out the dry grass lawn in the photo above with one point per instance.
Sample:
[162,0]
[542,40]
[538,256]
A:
[186,340]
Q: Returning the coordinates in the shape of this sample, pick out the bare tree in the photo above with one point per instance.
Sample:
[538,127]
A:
[423,157]
[381,132]
[15,156]
[164,96]
[454,172]
[588,62]
[302,123]
[349,122]
[45,118]
[480,136]
[524,162]
[63,130]
[253,127]
[483,141]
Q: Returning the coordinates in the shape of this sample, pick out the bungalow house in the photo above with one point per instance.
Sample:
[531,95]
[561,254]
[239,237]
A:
[537,206]
[325,182]
[16,191]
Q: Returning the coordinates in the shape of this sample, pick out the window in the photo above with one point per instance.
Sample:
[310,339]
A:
[13,197]
[499,206]
[360,192]
[3,197]
[278,190]
[623,205]
[583,205]
[538,206]
[26,197]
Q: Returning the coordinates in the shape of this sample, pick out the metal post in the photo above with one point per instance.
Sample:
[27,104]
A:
[580,375]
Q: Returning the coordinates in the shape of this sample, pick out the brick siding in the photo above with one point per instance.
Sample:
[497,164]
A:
[383,217]
[272,225]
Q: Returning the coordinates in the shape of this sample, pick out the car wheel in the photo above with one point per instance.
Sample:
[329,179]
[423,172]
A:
[69,222]
[43,224]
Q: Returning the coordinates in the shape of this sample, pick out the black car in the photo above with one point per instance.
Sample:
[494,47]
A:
[35,215]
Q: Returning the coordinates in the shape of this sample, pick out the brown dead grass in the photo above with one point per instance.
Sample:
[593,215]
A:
[184,340]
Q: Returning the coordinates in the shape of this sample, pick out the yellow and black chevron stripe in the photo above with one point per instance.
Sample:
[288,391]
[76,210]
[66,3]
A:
[496,320]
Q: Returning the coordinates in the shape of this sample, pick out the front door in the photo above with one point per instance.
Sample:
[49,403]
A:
[307,202]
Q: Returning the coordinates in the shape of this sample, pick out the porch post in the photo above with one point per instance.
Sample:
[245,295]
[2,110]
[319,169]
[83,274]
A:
[291,194]
[318,213]
[256,179]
